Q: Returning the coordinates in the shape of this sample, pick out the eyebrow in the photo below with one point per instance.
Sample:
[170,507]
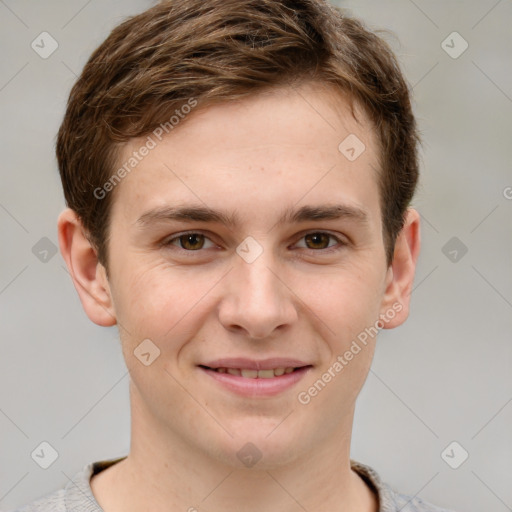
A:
[204,214]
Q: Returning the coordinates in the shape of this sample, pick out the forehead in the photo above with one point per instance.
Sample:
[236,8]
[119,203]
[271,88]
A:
[274,147]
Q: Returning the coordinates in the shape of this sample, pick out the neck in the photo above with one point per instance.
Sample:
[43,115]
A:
[165,473]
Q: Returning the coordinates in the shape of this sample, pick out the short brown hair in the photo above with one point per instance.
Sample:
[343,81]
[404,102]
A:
[217,51]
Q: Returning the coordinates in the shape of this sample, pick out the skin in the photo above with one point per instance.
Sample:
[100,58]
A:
[299,298]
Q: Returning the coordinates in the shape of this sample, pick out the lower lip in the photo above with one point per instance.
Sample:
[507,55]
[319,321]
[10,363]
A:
[258,387]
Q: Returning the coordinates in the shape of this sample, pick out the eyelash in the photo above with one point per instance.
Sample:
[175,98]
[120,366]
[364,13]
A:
[168,242]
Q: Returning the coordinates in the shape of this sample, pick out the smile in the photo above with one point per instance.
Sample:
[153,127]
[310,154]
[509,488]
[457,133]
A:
[249,382]
[256,374]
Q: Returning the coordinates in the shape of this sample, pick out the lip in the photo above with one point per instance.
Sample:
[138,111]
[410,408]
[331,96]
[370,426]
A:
[251,364]
[248,387]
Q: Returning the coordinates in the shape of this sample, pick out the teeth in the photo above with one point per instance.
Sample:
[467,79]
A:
[253,374]
[250,374]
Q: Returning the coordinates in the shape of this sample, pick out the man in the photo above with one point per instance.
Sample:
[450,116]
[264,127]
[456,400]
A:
[238,177]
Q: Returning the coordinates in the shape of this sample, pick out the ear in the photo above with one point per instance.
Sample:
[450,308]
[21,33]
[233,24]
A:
[400,277]
[89,276]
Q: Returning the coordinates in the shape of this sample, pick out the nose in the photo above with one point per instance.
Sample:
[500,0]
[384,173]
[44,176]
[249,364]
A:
[257,301]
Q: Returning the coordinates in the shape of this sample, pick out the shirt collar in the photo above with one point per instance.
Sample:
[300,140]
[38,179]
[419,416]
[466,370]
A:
[79,496]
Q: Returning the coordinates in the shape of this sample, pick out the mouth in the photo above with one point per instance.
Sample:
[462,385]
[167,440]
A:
[256,379]
[256,374]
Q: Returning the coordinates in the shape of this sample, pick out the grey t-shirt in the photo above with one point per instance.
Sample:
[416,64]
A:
[77,496]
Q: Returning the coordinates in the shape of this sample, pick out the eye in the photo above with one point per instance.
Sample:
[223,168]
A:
[319,240]
[189,241]
[195,241]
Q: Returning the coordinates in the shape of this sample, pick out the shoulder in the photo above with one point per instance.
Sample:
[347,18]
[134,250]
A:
[389,500]
[76,496]
[53,502]
[406,503]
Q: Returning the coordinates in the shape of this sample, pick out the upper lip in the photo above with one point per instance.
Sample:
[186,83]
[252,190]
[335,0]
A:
[252,364]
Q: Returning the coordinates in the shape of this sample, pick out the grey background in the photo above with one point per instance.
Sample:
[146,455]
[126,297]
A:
[444,376]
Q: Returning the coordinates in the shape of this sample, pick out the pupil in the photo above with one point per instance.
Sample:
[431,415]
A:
[318,239]
[193,241]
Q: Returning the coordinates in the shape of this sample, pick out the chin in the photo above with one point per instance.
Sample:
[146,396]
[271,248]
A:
[259,445]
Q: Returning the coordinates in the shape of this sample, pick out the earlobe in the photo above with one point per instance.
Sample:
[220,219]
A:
[88,275]
[395,305]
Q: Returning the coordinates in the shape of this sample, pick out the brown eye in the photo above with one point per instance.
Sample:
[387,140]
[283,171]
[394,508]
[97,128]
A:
[317,240]
[191,241]
[321,241]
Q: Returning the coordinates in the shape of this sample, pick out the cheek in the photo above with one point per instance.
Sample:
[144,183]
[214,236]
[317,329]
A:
[347,301]
[348,309]
[157,301]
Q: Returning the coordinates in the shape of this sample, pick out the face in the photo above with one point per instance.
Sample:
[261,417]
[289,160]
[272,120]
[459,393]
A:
[246,240]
